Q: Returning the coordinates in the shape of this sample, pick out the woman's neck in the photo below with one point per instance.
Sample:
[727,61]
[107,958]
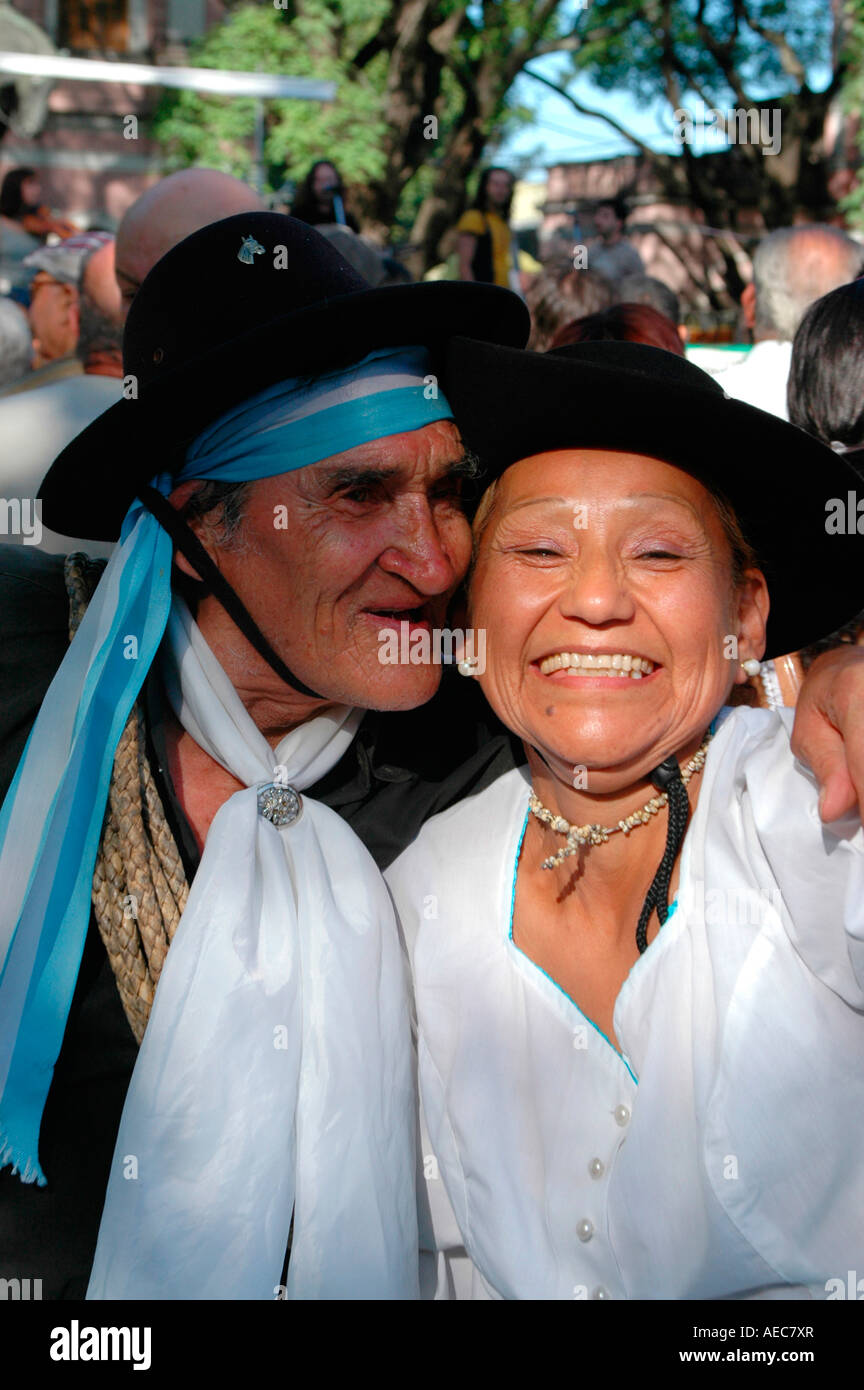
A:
[608,881]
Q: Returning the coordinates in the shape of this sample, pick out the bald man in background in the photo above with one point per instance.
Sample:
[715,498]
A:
[792,268]
[169,211]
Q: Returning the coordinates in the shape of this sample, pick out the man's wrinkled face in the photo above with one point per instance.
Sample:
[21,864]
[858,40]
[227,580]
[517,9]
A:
[334,557]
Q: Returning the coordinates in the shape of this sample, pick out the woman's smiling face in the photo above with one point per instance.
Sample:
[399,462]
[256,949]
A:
[623,560]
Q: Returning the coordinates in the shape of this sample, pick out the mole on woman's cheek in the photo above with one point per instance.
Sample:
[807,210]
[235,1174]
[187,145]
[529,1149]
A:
[550,710]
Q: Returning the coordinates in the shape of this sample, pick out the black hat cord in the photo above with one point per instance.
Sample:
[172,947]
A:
[667,778]
[671,782]
[189,545]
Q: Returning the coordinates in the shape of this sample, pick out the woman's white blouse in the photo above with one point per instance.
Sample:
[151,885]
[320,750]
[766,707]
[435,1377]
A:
[721,1153]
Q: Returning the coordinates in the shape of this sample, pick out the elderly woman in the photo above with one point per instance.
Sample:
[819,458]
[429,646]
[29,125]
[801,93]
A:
[640,1018]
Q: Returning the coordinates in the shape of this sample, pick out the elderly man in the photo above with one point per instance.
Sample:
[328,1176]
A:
[54,309]
[217,708]
[182,770]
[792,268]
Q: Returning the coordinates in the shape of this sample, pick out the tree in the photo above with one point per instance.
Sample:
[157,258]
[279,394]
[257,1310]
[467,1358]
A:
[307,40]
[425,90]
[457,64]
[726,57]
[397,63]
[853,102]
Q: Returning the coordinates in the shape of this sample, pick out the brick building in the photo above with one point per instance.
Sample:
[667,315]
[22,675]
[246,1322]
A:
[88,169]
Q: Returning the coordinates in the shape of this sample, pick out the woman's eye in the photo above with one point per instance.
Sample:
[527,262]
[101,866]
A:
[660,555]
[542,551]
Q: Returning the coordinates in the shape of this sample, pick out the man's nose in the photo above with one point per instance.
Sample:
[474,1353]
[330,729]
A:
[420,548]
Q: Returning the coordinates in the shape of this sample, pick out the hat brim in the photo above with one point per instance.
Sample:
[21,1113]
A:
[630,398]
[91,484]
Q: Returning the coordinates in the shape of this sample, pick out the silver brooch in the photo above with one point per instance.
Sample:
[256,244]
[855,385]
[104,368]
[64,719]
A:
[280,805]
[249,249]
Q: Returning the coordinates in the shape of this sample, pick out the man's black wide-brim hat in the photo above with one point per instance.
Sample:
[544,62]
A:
[632,398]
[232,309]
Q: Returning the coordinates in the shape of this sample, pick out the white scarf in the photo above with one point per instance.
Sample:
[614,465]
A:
[275,1074]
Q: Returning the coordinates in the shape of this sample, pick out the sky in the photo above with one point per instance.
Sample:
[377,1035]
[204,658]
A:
[562,135]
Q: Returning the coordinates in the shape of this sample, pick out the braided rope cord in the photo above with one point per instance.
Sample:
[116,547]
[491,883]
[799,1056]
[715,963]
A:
[139,883]
[668,776]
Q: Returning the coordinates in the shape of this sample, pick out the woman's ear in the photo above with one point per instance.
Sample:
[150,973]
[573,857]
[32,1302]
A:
[753,609]
[197,525]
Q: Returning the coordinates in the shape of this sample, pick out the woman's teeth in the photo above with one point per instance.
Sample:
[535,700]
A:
[618,664]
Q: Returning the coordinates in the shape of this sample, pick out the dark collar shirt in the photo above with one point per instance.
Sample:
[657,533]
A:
[400,769]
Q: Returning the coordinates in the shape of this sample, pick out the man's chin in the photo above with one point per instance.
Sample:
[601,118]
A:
[400,688]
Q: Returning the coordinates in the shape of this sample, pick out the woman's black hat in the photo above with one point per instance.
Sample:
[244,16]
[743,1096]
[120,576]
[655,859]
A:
[632,398]
[232,309]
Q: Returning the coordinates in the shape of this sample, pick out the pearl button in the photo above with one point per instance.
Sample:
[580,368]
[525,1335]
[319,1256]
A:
[585,1229]
[622,1115]
[600,1292]
[596,1168]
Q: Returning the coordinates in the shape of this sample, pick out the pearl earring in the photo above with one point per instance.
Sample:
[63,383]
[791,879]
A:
[751,666]
[467,666]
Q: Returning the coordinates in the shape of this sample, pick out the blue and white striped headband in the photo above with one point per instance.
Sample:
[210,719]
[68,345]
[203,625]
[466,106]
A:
[51,818]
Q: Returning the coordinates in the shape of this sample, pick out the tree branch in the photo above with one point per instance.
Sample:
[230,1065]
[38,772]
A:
[789,60]
[663,160]
[567,43]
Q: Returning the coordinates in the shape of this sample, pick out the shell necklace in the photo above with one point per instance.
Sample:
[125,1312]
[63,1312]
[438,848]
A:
[593,834]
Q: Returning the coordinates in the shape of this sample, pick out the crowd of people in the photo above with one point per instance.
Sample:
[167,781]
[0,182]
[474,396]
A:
[582,915]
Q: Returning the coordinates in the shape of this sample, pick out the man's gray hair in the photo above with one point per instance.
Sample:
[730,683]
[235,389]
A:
[795,266]
[16,342]
[647,289]
[230,499]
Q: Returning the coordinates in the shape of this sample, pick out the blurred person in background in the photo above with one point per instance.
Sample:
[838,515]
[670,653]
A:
[623,323]
[54,311]
[36,425]
[16,342]
[20,201]
[556,300]
[320,199]
[610,252]
[825,395]
[792,267]
[171,210]
[487,247]
[647,289]
[826,398]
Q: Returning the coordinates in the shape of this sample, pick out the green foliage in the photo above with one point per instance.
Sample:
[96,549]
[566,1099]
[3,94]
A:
[853,104]
[632,45]
[218,131]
